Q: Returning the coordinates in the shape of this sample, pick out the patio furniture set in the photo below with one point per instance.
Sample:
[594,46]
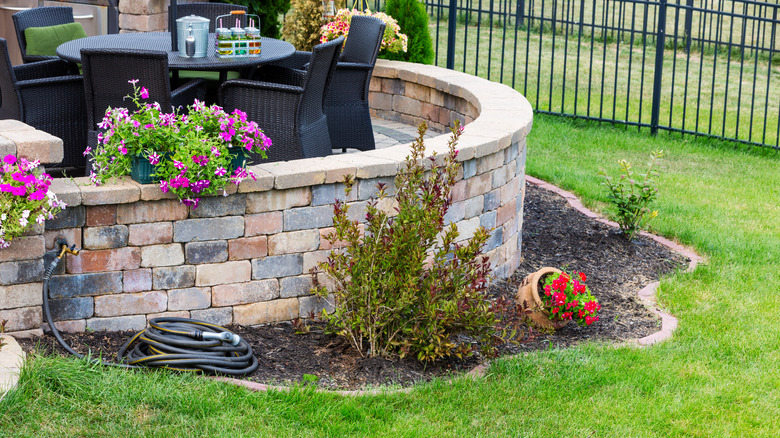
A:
[308,103]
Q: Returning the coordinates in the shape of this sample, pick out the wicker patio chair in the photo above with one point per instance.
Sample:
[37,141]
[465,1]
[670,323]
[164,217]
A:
[45,96]
[346,104]
[106,76]
[39,17]
[290,112]
[210,11]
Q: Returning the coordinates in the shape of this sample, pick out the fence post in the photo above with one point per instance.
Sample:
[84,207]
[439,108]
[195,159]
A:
[520,12]
[688,25]
[660,41]
[453,21]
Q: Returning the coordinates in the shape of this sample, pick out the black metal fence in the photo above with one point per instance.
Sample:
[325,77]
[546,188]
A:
[704,67]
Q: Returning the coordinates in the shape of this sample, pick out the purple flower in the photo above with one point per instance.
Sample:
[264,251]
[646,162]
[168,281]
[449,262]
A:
[200,186]
[190,202]
[37,195]
[149,126]
[220,171]
[87,151]
[164,186]
[154,158]
[215,151]
[122,149]
[10,159]
[144,93]
[200,159]
[179,165]
[136,123]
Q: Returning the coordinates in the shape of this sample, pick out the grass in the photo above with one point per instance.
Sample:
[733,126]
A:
[718,376]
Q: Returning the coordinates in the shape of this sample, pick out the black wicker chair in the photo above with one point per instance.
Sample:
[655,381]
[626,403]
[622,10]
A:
[210,11]
[39,17]
[45,96]
[290,112]
[106,76]
[346,104]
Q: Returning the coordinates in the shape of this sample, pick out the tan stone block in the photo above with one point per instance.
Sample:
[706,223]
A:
[380,101]
[263,181]
[162,255]
[131,304]
[152,192]
[277,200]
[21,295]
[297,173]
[14,125]
[150,234]
[244,293]
[121,191]
[510,190]
[293,242]
[189,299]
[247,248]
[266,312]
[223,273]
[264,223]
[72,326]
[67,191]
[22,318]
[23,248]
[144,23]
[116,259]
[478,185]
[372,164]
[175,314]
[418,92]
[143,7]
[506,212]
[151,211]
[137,280]
[313,258]
[71,235]
[36,145]
[490,162]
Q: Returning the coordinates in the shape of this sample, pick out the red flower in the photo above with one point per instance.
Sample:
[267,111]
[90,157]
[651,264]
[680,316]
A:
[590,306]
[583,277]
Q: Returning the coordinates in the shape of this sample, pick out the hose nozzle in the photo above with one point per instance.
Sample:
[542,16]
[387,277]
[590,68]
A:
[65,249]
[233,338]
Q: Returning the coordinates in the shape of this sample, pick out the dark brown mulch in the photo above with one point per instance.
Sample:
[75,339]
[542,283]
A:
[553,235]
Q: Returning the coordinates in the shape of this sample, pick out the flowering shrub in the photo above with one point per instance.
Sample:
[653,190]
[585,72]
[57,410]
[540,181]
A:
[403,284]
[192,152]
[567,297]
[393,41]
[25,198]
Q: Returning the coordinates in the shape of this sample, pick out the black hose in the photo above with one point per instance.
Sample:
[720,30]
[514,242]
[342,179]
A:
[173,343]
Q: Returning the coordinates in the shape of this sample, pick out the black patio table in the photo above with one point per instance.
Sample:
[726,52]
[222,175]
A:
[271,50]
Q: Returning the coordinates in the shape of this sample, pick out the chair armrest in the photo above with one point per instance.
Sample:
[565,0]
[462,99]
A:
[265,102]
[297,61]
[353,66]
[42,69]
[187,93]
[259,86]
[45,82]
[35,58]
[280,75]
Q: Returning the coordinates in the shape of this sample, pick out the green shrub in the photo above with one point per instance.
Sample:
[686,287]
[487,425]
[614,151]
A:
[413,20]
[631,198]
[269,12]
[403,284]
[302,25]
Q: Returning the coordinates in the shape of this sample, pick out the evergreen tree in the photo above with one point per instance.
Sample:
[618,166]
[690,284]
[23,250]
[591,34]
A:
[413,20]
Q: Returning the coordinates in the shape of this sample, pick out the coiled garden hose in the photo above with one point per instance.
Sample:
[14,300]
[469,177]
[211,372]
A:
[173,343]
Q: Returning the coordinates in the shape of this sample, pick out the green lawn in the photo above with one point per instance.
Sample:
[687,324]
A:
[718,376]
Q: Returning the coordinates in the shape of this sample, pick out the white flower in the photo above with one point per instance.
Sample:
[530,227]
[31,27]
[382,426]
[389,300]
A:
[3,217]
[40,219]
[23,221]
[26,214]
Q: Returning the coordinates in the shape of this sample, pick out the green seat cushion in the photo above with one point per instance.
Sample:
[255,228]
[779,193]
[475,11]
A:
[208,75]
[43,41]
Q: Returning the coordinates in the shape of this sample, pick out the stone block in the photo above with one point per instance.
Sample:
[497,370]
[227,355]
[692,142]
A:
[152,192]
[326,194]
[22,318]
[24,271]
[488,220]
[68,326]
[72,308]
[137,280]
[248,248]
[151,211]
[150,234]
[67,191]
[502,176]
[115,236]
[135,323]
[71,235]
[223,273]
[220,316]
[217,206]
[7,147]
[36,145]
[312,306]
[490,162]
[22,295]
[495,240]
[131,304]
[189,299]
[511,227]
[171,254]
[368,188]
[510,191]
[101,215]
[116,259]
[406,105]
[71,217]
[121,191]
[474,206]
[467,228]
[506,212]
[479,185]
[175,314]
[312,259]
[220,228]
[456,212]
[277,200]
[380,101]
[173,277]
[214,251]
[393,86]
[469,168]
[244,293]
[300,286]
[266,312]
[293,242]
[24,248]
[277,266]
[262,181]
[458,192]
[492,200]
[371,164]
[264,223]
[143,7]
[306,218]
[14,125]
[143,23]
[85,285]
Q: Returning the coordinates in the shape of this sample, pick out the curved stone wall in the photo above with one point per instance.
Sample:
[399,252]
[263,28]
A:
[245,258]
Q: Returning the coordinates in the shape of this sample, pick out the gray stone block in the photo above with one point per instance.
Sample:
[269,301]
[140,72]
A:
[119,323]
[221,228]
[326,194]
[277,266]
[49,257]
[216,206]
[173,277]
[106,237]
[368,187]
[495,240]
[488,220]
[72,308]
[306,218]
[206,252]
[469,168]
[455,213]
[492,200]
[313,305]
[71,217]
[84,285]
[295,286]
[24,271]
[219,315]
[511,153]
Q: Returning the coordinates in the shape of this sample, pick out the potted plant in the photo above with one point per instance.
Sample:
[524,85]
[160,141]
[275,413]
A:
[191,155]
[556,297]
[25,197]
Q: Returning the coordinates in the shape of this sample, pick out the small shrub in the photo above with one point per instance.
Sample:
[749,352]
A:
[268,11]
[403,284]
[631,197]
[302,25]
[413,20]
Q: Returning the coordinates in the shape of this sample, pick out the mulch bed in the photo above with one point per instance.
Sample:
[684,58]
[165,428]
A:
[554,234]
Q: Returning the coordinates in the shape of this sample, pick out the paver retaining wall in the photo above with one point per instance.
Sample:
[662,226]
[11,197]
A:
[245,258]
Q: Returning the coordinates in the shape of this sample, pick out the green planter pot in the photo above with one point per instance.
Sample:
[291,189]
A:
[142,171]
[238,160]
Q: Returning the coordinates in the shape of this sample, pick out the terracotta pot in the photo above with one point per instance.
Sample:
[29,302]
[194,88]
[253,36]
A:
[529,292]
